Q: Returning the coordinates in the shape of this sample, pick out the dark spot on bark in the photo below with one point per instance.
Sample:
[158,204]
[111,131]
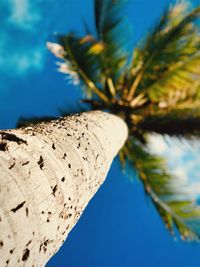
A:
[26,212]
[43,245]
[76,175]
[69,216]
[7,261]
[54,189]
[1,243]
[69,134]
[42,212]
[25,163]
[79,145]
[58,227]
[41,162]
[26,255]
[33,233]
[13,138]
[18,207]
[69,198]
[64,156]
[83,134]
[29,242]
[97,156]
[49,212]
[3,146]
[61,215]
[48,220]
[63,179]
[53,146]
[11,166]
[69,165]
[11,251]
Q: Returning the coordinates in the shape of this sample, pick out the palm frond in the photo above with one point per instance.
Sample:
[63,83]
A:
[180,83]
[81,62]
[180,122]
[113,31]
[167,61]
[178,211]
[97,61]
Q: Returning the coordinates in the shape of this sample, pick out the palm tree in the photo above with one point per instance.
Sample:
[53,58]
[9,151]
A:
[154,89]
[49,172]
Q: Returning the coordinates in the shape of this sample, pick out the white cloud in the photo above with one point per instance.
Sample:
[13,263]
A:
[192,191]
[183,161]
[22,45]
[24,13]
[157,144]
[181,175]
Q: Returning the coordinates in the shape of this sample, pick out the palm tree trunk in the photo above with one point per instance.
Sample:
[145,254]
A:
[48,174]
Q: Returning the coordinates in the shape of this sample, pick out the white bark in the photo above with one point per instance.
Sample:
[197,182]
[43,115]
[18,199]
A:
[48,174]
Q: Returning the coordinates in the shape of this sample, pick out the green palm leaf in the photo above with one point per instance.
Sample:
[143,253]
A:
[178,211]
[166,61]
[81,62]
[82,57]
[98,61]
[180,83]
[114,32]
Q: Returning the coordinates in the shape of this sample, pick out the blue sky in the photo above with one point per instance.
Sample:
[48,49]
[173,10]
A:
[120,227]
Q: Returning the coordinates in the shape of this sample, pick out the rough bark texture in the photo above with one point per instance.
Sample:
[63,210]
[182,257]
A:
[48,174]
